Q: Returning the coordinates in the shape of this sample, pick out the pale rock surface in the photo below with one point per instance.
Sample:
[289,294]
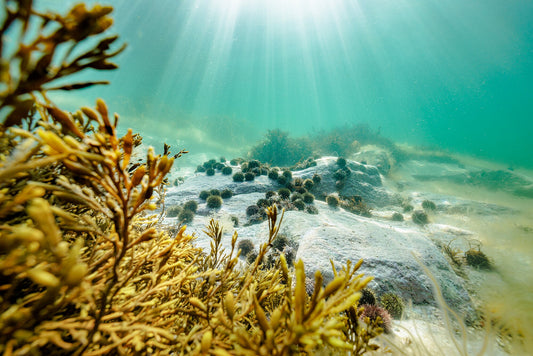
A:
[391,250]
[388,248]
[375,156]
[363,180]
[494,179]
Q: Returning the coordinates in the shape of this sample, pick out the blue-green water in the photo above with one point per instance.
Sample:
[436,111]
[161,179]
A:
[215,75]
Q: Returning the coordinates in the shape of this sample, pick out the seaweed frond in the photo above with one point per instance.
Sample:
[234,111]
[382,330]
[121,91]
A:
[48,53]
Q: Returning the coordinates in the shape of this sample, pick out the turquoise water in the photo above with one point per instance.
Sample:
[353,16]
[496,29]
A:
[215,75]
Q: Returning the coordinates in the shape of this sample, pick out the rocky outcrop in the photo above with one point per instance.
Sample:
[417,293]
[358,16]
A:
[388,248]
[375,156]
[501,180]
[361,179]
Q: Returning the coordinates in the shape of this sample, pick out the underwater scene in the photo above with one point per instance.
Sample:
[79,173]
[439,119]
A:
[266,177]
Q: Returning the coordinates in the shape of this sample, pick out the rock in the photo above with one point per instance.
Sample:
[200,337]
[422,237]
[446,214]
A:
[501,180]
[388,248]
[376,156]
[192,186]
[429,171]
[457,206]
[363,180]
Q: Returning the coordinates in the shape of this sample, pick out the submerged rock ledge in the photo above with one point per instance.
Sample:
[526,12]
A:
[387,247]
